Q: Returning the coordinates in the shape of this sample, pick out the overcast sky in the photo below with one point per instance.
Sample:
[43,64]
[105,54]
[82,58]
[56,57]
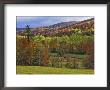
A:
[37,21]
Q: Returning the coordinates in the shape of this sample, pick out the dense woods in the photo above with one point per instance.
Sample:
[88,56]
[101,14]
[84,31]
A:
[68,47]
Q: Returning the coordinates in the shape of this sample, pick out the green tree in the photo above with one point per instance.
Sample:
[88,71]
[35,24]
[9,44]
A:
[28,33]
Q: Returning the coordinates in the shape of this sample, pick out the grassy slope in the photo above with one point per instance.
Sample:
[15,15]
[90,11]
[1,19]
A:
[50,70]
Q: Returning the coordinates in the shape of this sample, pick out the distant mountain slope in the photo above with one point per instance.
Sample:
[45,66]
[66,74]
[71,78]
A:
[20,29]
[55,26]
[63,27]
[62,24]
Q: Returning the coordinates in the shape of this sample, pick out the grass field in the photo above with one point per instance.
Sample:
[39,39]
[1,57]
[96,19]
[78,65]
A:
[50,70]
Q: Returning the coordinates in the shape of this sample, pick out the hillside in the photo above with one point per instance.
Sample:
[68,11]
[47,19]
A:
[63,27]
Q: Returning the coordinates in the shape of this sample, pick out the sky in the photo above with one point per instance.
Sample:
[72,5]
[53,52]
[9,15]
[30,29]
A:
[39,21]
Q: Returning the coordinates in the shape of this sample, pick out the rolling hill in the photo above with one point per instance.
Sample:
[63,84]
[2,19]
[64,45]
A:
[65,27]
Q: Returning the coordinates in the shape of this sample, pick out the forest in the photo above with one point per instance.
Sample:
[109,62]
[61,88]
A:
[69,47]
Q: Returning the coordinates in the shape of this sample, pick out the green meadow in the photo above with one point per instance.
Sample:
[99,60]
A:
[50,70]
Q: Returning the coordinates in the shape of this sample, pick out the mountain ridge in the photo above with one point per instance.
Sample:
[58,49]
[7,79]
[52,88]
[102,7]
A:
[61,27]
